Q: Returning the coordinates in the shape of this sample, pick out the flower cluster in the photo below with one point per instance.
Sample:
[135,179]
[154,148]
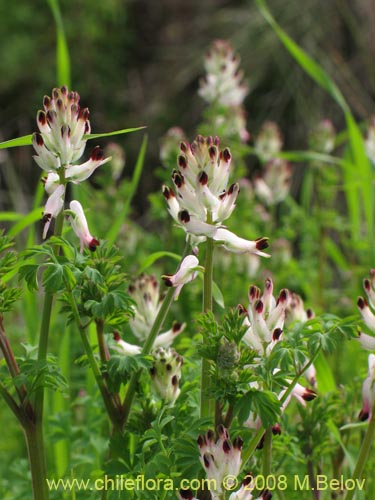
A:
[166,374]
[265,318]
[145,291]
[202,200]
[220,458]
[223,82]
[223,88]
[322,138]
[59,144]
[268,142]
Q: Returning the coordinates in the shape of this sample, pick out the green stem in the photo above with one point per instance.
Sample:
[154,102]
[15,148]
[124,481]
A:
[207,408]
[364,453]
[37,462]
[103,350]
[113,411]
[158,323]
[249,451]
[267,453]
[9,400]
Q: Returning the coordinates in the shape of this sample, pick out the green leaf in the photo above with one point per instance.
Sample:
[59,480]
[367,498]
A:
[62,51]
[29,273]
[217,295]
[115,132]
[25,140]
[151,259]
[70,279]
[53,278]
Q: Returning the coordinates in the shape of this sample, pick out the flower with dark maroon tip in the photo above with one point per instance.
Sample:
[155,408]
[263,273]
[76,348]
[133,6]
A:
[368,391]
[166,374]
[80,227]
[187,272]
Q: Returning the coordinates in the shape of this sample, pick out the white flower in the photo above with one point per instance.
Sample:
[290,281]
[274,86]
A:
[187,272]
[273,185]
[220,458]
[80,226]
[266,317]
[53,207]
[269,141]
[124,347]
[367,341]
[368,390]
[145,291]
[234,243]
[166,374]
[79,173]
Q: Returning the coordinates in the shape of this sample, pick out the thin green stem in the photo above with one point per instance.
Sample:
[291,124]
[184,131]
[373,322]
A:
[10,401]
[364,453]
[158,323]
[113,411]
[207,408]
[249,451]
[267,453]
[37,463]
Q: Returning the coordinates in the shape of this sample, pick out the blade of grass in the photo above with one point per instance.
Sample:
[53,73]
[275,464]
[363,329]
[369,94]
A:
[62,51]
[115,132]
[119,219]
[28,219]
[25,140]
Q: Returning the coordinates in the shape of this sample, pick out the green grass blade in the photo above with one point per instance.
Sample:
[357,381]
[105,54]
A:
[119,219]
[151,259]
[115,132]
[25,140]
[62,51]
[26,221]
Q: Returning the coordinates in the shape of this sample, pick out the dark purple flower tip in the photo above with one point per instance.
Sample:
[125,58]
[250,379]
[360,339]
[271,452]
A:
[283,296]
[186,494]
[176,327]
[363,415]
[200,139]
[248,479]
[238,443]
[261,443]
[42,118]
[50,116]
[94,243]
[212,151]
[87,128]
[64,89]
[166,192]
[276,430]
[167,280]
[361,303]
[221,431]
[84,114]
[203,178]
[277,334]
[178,179]
[259,306]
[206,460]
[309,395]
[261,243]
[367,285]
[226,155]
[55,93]
[231,189]
[46,217]
[97,154]
[241,309]
[116,336]
[59,104]
[268,283]
[309,313]
[266,495]
[184,216]
[184,147]
[153,371]
[226,446]
[38,139]
[168,367]
[254,292]
[182,161]
[201,441]
[46,102]
[210,435]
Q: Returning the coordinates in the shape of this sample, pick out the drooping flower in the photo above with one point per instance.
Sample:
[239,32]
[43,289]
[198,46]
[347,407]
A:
[187,272]
[221,458]
[80,227]
[223,82]
[366,308]
[145,292]
[368,391]
[234,243]
[53,207]
[265,319]
[124,347]
[166,374]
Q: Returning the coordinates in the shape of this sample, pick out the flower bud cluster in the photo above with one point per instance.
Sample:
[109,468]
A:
[202,200]
[322,138]
[220,458]
[59,144]
[166,374]
[266,316]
